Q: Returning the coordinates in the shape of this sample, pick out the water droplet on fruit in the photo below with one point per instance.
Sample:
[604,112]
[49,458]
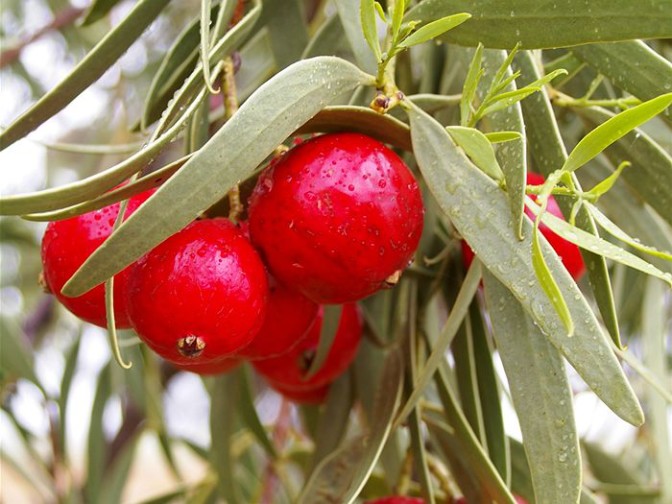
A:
[351,187]
[382,183]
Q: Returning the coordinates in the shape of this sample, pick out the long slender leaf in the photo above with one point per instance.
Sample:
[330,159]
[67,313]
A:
[651,172]
[548,151]
[96,62]
[341,476]
[96,450]
[541,395]
[545,24]
[367,27]
[287,30]
[330,320]
[434,29]
[631,65]
[230,155]
[613,129]
[479,211]
[98,10]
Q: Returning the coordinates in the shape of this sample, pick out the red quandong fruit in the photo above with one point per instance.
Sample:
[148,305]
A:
[289,316]
[337,217]
[288,371]
[568,252]
[68,243]
[396,499]
[310,396]
[201,295]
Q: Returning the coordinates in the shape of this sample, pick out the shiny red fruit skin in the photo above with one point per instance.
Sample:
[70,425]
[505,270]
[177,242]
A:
[336,216]
[289,316]
[396,499]
[199,296]
[568,252]
[309,396]
[288,370]
[68,243]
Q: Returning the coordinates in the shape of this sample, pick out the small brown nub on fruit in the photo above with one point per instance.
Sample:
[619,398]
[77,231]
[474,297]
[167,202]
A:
[190,346]
[43,283]
[306,359]
[393,279]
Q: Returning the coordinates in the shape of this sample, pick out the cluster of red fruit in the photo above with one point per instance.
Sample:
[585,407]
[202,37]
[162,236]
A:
[331,221]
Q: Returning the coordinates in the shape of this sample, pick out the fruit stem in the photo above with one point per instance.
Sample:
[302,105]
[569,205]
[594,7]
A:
[230,108]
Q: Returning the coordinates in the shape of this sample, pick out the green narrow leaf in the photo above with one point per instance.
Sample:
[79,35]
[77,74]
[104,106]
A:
[479,211]
[330,321]
[613,129]
[491,485]
[489,394]
[223,403]
[655,332]
[230,155]
[248,413]
[503,136]
[548,151]
[458,311]
[606,224]
[397,17]
[333,421]
[367,16]
[512,156]
[631,65]
[117,476]
[287,30]
[433,29]
[96,450]
[93,186]
[66,382]
[548,24]
[541,395]
[478,148]
[548,283]
[328,38]
[98,10]
[341,475]
[598,245]
[651,172]
[15,358]
[206,7]
[87,71]
[471,82]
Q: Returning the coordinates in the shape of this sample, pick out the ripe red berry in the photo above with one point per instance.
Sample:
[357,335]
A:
[396,499]
[289,316]
[200,295]
[289,370]
[568,252]
[337,216]
[68,243]
[309,396]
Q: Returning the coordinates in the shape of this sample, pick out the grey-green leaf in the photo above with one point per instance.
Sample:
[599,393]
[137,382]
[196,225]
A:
[541,395]
[94,64]
[98,10]
[546,24]
[231,155]
[331,317]
[480,212]
[367,15]
[478,148]
[631,65]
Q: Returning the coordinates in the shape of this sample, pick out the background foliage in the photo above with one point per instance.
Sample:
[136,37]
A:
[450,374]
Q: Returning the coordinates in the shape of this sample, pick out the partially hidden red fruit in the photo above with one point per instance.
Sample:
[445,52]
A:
[289,316]
[337,217]
[396,499]
[568,252]
[288,371]
[199,296]
[309,396]
[68,243]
